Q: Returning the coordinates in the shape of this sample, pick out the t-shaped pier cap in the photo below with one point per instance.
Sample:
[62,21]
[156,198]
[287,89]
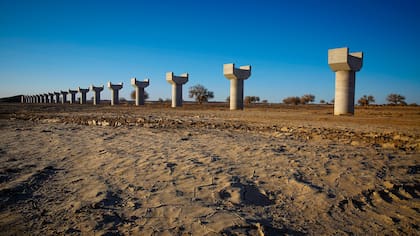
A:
[115,88]
[64,94]
[236,77]
[177,82]
[57,97]
[51,97]
[73,96]
[139,86]
[83,93]
[345,65]
[339,59]
[97,94]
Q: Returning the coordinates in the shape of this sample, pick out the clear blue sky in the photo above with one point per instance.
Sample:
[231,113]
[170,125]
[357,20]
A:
[48,46]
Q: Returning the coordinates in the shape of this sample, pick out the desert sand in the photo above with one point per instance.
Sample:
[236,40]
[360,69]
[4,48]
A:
[205,170]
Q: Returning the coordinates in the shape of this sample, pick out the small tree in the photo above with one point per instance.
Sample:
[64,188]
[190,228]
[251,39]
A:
[371,99]
[251,99]
[307,98]
[200,93]
[366,100]
[291,100]
[396,99]
[133,95]
[322,101]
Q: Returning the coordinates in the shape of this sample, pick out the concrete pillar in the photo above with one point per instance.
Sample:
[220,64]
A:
[51,100]
[73,96]
[177,82]
[83,93]
[38,98]
[46,98]
[345,65]
[139,85]
[96,94]
[236,77]
[57,97]
[64,95]
[22,99]
[115,88]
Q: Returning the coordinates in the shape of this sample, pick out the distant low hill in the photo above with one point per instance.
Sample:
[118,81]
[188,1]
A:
[11,99]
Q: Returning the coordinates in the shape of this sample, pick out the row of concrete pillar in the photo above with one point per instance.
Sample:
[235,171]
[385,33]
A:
[234,74]
[343,63]
[55,97]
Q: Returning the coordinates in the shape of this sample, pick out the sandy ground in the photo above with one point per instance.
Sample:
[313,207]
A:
[203,170]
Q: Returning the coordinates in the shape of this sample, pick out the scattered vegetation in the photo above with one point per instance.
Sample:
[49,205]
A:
[251,99]
[292,100]
[305,99]
[396,99]
[133,95]
[366,100]
[200,93]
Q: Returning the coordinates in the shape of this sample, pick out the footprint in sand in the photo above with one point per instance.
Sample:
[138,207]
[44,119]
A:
[244,194]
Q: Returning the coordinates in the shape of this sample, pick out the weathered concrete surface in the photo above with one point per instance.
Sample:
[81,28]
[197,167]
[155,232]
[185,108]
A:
[345,65]
[139,86]
[236,77]
[115,88]
[177,83]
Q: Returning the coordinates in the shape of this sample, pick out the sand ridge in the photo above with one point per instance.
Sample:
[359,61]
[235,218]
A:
[196,172]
